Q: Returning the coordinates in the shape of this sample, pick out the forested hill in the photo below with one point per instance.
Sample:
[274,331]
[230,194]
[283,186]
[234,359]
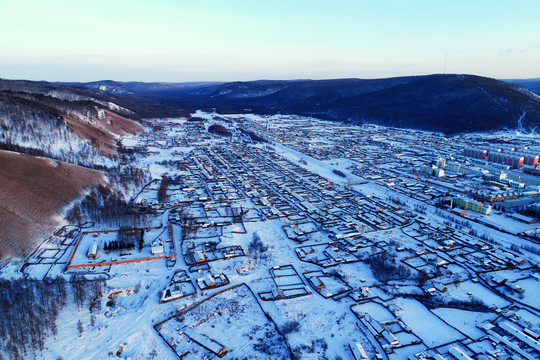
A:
[446,103]
[38,114]
[531,84]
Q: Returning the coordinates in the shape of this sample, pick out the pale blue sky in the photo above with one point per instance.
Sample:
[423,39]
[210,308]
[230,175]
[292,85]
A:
[176,40]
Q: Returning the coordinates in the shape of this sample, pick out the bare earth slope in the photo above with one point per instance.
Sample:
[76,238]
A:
[33,192]
[103,128]
[36,115]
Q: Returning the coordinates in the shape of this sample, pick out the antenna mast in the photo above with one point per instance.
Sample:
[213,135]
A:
[445,57]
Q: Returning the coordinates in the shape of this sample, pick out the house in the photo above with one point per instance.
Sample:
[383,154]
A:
[498,279]
[458,354]
[157,247]
[391,338]
[522,218]
[441,263]
[431,291]
[523,337]
[210,282]
[317,283]
[440,287]
[358,351]
[308,250]
[199,257]
[473,205]
[205,341]
[177,291]
[92,252]
[277,294]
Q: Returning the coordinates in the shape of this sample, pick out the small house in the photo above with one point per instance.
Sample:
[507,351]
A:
[358,351]
[498,279]
[199,257]
[206,342]
[440,287]
[157,247]
[92,252]
[317,283]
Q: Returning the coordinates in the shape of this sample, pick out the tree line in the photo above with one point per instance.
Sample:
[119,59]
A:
[162,191]
[219,129]
[127,238]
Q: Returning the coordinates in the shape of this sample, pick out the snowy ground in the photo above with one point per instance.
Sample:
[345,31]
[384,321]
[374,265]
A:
[307,327]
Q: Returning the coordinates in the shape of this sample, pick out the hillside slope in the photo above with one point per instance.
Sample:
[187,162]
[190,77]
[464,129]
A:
[530,84]
[33,192]
[72,126]
[61,122]
[446,103]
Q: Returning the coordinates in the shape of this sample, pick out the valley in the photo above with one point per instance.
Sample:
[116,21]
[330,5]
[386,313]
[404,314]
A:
[291,237]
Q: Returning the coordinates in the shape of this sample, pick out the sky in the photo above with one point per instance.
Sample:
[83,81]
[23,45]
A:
[228,40]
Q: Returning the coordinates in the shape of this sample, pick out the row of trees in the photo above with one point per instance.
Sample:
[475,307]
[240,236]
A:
[254,137]
[471,304]
[119,245]
[128,176]
[256,248]
[339,173]
[127,234]
[531,211]
[162,191]
[127,238]
[107,204]
[29,311]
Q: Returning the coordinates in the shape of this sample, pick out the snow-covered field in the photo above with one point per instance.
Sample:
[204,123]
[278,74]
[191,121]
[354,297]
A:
[432,330]
[466,321]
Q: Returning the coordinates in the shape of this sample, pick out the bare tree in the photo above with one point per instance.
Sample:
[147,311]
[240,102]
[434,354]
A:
[256,247]
[80,327]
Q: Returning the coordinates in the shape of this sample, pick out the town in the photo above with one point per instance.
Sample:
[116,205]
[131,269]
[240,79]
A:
[290,237]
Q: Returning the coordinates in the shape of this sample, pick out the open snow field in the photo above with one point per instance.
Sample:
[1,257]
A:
[467,322]
[432,330]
